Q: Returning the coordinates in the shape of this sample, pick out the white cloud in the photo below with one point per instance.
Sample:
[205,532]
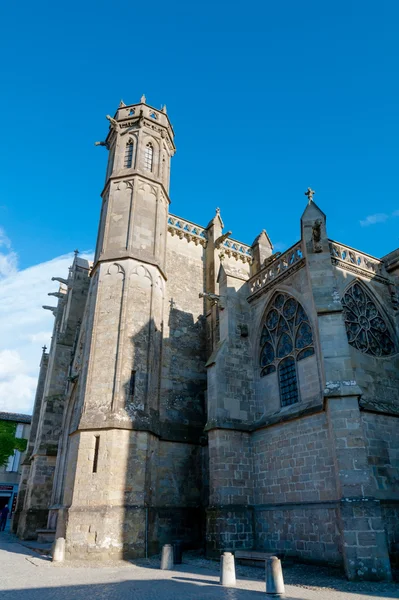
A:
[8,258]
[378,218]
[373,219]
[24,325]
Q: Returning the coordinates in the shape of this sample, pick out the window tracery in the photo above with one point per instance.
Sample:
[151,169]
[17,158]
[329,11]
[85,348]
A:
[286,338]
[366,328]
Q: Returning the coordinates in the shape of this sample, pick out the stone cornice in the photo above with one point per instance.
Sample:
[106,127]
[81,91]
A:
[133,174]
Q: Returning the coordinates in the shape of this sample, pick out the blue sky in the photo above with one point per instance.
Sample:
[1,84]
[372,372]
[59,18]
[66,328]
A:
[266,99]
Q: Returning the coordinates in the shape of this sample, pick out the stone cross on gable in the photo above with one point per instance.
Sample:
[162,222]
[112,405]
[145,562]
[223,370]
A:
[309,193]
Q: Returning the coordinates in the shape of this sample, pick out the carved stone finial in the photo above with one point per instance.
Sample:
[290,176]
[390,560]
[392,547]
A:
[143,99]
[163,109]
[44,348]
[121,104]
[218,211]
[309,193]
[76,252]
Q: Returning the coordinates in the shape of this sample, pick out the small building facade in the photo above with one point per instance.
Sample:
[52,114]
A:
[202,389]
[10,474]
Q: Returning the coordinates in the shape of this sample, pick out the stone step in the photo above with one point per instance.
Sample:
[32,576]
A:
[45,535]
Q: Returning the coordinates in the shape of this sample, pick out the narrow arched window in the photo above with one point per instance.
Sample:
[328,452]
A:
[148,157]
[285,339]
[128,155]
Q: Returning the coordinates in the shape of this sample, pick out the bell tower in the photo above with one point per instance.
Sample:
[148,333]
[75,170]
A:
[114,428]
[136,194]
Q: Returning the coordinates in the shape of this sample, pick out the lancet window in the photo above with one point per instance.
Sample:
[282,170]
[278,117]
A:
[366,328]
[285,339]
[128,155]
[148,156]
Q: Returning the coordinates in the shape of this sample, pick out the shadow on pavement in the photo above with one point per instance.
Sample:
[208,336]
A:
[159,589]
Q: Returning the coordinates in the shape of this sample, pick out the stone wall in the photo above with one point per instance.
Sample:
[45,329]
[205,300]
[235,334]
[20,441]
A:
[382,446]
[294,462]
[231,468]
[183,380]
[390,516]
[308,532]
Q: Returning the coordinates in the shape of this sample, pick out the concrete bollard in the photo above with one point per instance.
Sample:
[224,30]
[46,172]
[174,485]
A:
[274,577]
[227,569]
[59,550]
[167,557]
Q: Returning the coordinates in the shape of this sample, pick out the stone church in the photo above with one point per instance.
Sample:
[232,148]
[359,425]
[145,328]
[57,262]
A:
[201,389]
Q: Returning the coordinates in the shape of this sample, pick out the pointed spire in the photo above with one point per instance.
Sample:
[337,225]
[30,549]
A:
[163,109]
[218,215]
[262,250]
[121,104]
[143,99]
[263,239]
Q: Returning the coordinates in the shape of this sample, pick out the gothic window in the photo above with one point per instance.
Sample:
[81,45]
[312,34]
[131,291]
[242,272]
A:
[285,339]
[128,155]
[365,326]
[148,157]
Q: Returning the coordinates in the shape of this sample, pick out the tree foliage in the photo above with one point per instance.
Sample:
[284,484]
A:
[8,441]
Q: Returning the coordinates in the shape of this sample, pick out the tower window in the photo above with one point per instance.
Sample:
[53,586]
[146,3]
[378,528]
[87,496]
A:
[128,155]
[96,450]
[132,384]
[148,157]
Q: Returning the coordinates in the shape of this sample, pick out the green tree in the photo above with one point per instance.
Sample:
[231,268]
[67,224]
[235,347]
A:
[8,441]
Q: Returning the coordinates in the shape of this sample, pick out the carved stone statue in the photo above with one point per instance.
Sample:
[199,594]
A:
[316,236]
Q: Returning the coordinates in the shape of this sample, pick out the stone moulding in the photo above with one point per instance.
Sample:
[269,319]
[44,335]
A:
[287,263]
[187,230]
[356,262]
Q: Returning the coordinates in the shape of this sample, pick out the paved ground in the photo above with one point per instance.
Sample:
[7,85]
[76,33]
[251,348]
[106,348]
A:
[26,575]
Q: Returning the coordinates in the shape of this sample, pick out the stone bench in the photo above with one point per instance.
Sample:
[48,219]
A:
[253,558]
[45,535]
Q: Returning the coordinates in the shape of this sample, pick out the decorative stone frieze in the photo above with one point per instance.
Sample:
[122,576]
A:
[283,265]
[357,262]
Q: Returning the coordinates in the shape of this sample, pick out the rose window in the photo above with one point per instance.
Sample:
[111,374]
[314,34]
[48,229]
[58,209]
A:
[366,329]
